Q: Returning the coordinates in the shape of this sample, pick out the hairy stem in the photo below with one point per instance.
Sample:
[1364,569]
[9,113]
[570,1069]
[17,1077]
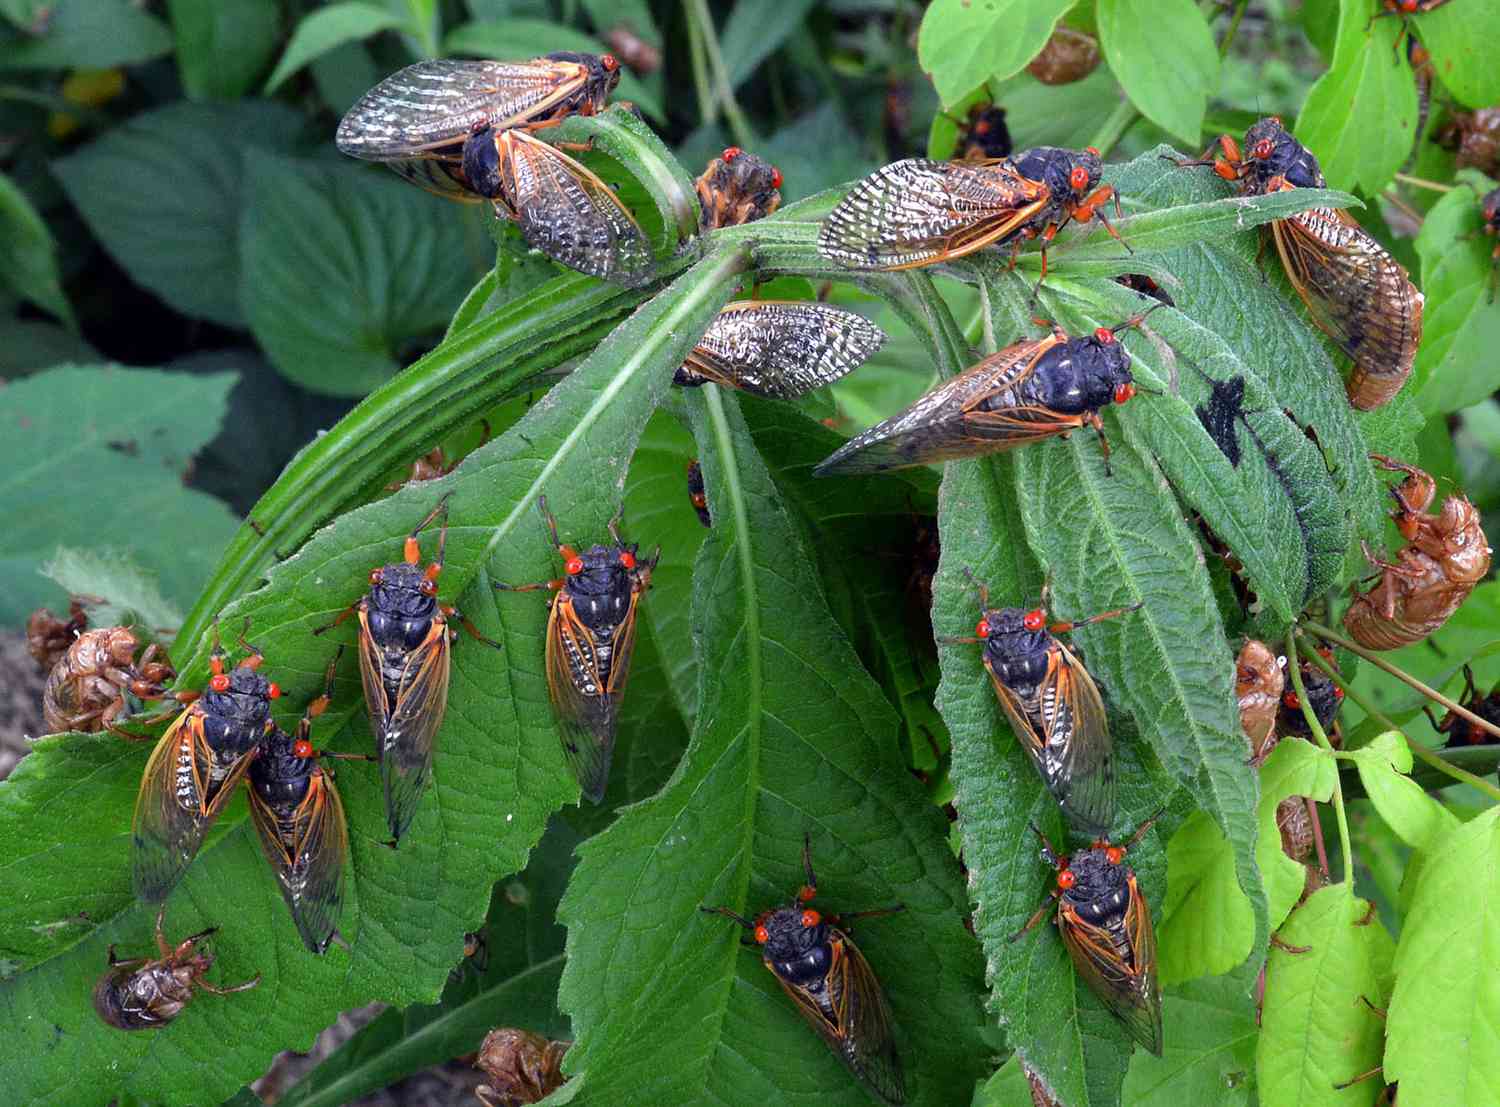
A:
[1295,672]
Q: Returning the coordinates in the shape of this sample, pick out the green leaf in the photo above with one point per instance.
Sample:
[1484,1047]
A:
[131,597]
[343,268]
[30,254]
[1295,768]
[755,30]
[28,15]
[791,737]
[88,34]
[1439,1030]
[1007,1088]
[1461,41]
[31,344]
[223,47]
[1209,1036]
[520,39]
[1368,91]
[1384,765]
[1165,57]
[1460,326]
[164,193]
[499,769]
[963,43]
[322,30]
[1315,1030]
[115,439]
[1207,926]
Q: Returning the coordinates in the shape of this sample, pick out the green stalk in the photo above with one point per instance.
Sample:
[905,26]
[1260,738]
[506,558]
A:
[698,14]
[708,110]
[1316,727]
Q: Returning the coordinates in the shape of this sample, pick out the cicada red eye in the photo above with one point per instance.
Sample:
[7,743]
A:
[1035,619]
[1104,335]
[982,628]
[1291,700]
[1065,879]
[1124,391]
[302,748]
[1091,150]
[776,179]
[806,892]
[730,153]
[627,559]
[574,566]
[274,691]
[811,918]
[1338,693]
[1115,854]
[609,63]
[1079,179]
[760,934]
[1263,149]
[219,682]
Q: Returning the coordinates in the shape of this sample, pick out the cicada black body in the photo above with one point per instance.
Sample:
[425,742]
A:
[780,348]
[919,212]
[193,771]
[1139,282]
[835,991]
[590,640]
[1053,705]
[1323,694]
[147,993]
[697,493]
[299,819]
[1033,389]
[737,188]
[1105,924]
[1464,732]
[1354,290]
[983,135]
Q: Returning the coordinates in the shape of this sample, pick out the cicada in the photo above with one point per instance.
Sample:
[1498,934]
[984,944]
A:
[1464,732]
[697,493]
[780,348]
[590,639]
[1324,696]
[818,965]
[193,771]
[982,134]
[737,188]
[1475,138]
[465,130]
[522,1067]
[1445,556]
[299,818]
[147,993]
[1354,290]
[87,686]
[1404,10]
[1106,926]
[1033,389]
[919,212]
[405,643]
[1139,282]
[1258,682]
[1053,705]
[1069,55]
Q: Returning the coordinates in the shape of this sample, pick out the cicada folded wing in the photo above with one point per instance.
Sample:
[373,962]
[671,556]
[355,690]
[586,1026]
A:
[306,845]
[587,669]
[568,213]
[919,212]
[849,1012]
[780,348]
[406,700]
[1118,961]
[1357,294]
[183,789]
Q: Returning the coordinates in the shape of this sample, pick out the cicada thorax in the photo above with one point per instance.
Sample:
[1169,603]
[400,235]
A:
[737,188]
[601,596]
[402,617]
[87,686]
[1324,696]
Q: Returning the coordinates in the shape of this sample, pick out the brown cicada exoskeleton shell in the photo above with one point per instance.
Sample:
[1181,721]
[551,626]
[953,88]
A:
[1070,55]
[523,1067]
[1446,555]
[86,688]
[48,636]
[146,994]
[1475,138]
[1258,681]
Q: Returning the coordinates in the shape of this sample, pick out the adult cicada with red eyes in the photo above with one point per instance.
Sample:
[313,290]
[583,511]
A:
[982,134]
[835,990]
[1354,290]
[466,130]
[919,212]
[697,493]
[300,821]
[590,639]
[1053,705]
[1106,926]
[737,188]
[405,639]
[1033,389]
[193,771]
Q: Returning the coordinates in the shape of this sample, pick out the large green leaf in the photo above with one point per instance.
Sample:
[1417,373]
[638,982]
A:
[93,34]
[1209,1057]
[321,31]
[755,30]
[30,252]
[963,43]
[1137,35]
[223,47]
[499,770]
[114,439]
[164,193]
[791,738]
[1461,41]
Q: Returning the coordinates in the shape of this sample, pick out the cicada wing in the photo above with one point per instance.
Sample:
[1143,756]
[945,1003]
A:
[1078,743]
[1118,962]
[405,716]
[568,213]
[306,850]
[177,804]
[941,425]
[783,349]
[850,1013]
[581,696]
[434,104]
[916,212]
[1355,292]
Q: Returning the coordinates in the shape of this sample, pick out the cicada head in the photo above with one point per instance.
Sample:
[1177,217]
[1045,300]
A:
[738,187]
[236,708]
[1095,882]
[1490,206]
[1104,368]
[1271,151]
[600,581]
[1068,174]
[795,944]
[603,78]
[1016,643]
[403,591]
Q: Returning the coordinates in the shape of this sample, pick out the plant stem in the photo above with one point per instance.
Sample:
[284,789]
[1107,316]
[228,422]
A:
[1418,182]
[1419,751]
[698,15]
[708,111]
[1406,678]
[1234,25]
[1294,670]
